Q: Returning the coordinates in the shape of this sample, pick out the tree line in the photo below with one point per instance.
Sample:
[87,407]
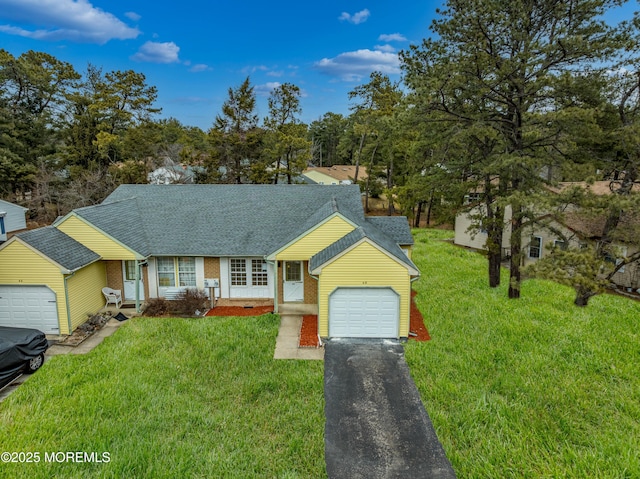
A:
[505,99]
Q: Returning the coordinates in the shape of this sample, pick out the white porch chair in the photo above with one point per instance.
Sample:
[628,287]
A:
[113,296]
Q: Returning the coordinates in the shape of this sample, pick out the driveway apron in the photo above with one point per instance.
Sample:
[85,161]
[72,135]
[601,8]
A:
[376,425]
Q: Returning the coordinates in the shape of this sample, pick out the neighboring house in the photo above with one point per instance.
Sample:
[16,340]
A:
[334,175]
[539,239]
[12,219]
[170,174]
[305,245]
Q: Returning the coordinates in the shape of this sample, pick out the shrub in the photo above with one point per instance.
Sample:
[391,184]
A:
[156,307]
[189,301]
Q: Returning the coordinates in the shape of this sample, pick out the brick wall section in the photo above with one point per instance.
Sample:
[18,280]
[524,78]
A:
[280,280]
[310,286]
[115,279]
[212,268]
[145,279]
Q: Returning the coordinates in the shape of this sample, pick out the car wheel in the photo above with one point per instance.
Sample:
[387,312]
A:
[34,363]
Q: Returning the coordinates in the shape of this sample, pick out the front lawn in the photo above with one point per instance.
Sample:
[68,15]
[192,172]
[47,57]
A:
[535,387]
[172,398]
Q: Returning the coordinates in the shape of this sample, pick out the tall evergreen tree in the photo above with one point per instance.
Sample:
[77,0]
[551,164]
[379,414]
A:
[287,150]
[235,134]
[494,68]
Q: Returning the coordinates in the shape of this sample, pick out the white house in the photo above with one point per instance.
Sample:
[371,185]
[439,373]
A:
[12,218]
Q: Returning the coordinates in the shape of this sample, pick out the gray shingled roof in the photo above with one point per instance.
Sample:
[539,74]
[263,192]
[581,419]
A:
[215,220]
[59,247]
[367,230]
[122,220]
[396,227]
[237,220]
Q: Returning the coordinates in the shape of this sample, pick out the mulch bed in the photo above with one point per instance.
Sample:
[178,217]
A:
[309,329]
[416,322]
[309,332]
[239,311]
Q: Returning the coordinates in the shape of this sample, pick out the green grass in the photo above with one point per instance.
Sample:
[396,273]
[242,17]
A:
[534,387]
[516,389]
[173,398]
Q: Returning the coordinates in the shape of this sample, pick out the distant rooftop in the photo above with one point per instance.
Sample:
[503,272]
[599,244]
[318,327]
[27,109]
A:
[339,172]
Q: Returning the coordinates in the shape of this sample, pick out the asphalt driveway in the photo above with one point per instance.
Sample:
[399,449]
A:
[376,424]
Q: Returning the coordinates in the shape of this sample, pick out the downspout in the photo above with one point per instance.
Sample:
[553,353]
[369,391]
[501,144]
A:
[66,298]
[317,278]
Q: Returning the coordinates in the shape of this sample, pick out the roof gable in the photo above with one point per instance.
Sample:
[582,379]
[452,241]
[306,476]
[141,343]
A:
[91,232]
[357,236]
[58,247]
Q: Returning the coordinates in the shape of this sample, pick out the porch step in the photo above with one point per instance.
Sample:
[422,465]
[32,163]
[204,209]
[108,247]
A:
[297,308]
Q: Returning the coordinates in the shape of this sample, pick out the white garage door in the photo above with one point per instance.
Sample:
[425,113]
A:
[29,307]
[363,313]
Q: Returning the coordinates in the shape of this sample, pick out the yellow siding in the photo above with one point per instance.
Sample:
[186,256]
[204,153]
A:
[364,266]
[321,178]
[84,291]
[22,265]
[316,240]
[94,240]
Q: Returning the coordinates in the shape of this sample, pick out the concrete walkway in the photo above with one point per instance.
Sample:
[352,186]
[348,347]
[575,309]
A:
[376,424]
[289,338]
[88,344]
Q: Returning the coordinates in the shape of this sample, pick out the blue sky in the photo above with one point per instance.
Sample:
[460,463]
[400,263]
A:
[194,50]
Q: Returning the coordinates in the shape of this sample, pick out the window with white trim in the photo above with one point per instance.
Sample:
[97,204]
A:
[238,272]
[617,258]
[176,271]
[259,273]
[248,272]
[560,244]
[535,247]
[471,198]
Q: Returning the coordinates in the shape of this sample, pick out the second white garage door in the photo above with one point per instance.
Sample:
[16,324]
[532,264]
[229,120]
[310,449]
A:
[29,307]
[364,313]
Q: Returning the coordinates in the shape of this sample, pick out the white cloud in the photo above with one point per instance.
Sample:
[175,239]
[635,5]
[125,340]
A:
[155,52]
[392,37]
[200,67]
[54,20]
[250,69]
[353,66]
[356,18]
[132,16]
[385,48]
[266,88]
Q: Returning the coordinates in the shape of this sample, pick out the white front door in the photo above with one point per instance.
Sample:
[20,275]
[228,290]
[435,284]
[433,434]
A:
[293,288]
[129,272]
